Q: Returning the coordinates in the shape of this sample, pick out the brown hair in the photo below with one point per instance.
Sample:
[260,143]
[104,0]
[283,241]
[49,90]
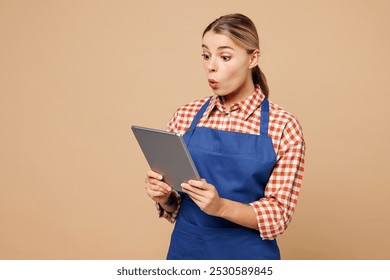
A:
[243,32]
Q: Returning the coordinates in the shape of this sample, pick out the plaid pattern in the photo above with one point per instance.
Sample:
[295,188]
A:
[275,210]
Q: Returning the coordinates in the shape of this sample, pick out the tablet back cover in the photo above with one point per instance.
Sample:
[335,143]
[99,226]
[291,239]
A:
[166,154]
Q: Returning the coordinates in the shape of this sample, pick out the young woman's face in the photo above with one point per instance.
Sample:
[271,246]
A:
[228,67]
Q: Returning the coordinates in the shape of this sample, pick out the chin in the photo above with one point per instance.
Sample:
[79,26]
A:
[220,92]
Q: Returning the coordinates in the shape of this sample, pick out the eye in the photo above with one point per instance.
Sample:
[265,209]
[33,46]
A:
[205,56]
[226,57]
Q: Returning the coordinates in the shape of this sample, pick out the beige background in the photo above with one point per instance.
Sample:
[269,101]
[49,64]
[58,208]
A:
[74,75]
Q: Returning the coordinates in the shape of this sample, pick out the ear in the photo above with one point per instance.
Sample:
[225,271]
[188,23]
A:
[254,59]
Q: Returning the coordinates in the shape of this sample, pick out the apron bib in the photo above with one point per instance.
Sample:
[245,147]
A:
[239,166]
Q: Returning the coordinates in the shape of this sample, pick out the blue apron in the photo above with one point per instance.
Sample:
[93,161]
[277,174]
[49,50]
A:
[239,166]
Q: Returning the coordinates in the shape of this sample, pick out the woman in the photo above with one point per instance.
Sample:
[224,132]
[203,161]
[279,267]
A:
[249,152]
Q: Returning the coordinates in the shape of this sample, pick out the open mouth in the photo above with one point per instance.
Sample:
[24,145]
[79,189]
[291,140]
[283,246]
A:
[213,83]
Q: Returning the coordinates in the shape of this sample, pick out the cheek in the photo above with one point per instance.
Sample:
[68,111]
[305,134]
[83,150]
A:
[235,74]
[204,64]
[228,71]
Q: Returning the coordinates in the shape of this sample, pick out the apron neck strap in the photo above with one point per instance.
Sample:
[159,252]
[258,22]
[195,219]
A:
[199,115]
[264,117]
[187,136]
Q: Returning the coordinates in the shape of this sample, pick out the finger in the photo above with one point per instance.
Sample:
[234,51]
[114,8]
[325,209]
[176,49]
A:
[201,184]
[155,194]
[159,183]
[198,199]
[156,190]
[189,189]
[154,175]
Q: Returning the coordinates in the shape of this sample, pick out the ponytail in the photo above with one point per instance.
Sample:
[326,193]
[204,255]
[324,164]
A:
[258,78]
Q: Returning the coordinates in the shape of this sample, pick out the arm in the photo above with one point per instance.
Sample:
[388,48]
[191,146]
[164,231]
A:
[275,210]
[167,200]
[271,214]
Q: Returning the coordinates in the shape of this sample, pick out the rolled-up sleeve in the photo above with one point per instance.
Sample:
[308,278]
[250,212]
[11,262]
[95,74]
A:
[171,217]
[274,211]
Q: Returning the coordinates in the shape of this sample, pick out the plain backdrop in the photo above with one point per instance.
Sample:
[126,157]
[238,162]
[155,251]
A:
[75,75]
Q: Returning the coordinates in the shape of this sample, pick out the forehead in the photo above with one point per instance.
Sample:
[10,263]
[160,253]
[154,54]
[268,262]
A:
[214,41]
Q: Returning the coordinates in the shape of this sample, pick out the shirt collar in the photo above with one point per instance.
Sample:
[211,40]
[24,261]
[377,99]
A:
[245,107]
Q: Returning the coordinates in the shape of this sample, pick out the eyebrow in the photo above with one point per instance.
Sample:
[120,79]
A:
[219,48]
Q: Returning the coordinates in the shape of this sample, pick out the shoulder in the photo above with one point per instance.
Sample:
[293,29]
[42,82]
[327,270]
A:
[280,114]
[282,121]
[184,115]
[192,107]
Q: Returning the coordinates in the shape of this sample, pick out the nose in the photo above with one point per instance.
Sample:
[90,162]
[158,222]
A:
[212,65]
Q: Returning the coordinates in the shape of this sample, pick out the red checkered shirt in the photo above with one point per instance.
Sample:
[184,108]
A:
[275,209]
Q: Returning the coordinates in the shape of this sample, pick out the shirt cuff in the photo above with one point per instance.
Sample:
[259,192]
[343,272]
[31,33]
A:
[171,217]
[269,220]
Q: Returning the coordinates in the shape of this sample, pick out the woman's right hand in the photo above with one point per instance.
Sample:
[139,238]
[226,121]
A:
[156,188]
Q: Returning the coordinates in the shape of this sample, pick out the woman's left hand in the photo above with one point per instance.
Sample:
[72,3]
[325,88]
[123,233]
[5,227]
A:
[205,196]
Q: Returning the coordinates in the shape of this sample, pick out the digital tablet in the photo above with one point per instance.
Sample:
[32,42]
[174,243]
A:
[166,154]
